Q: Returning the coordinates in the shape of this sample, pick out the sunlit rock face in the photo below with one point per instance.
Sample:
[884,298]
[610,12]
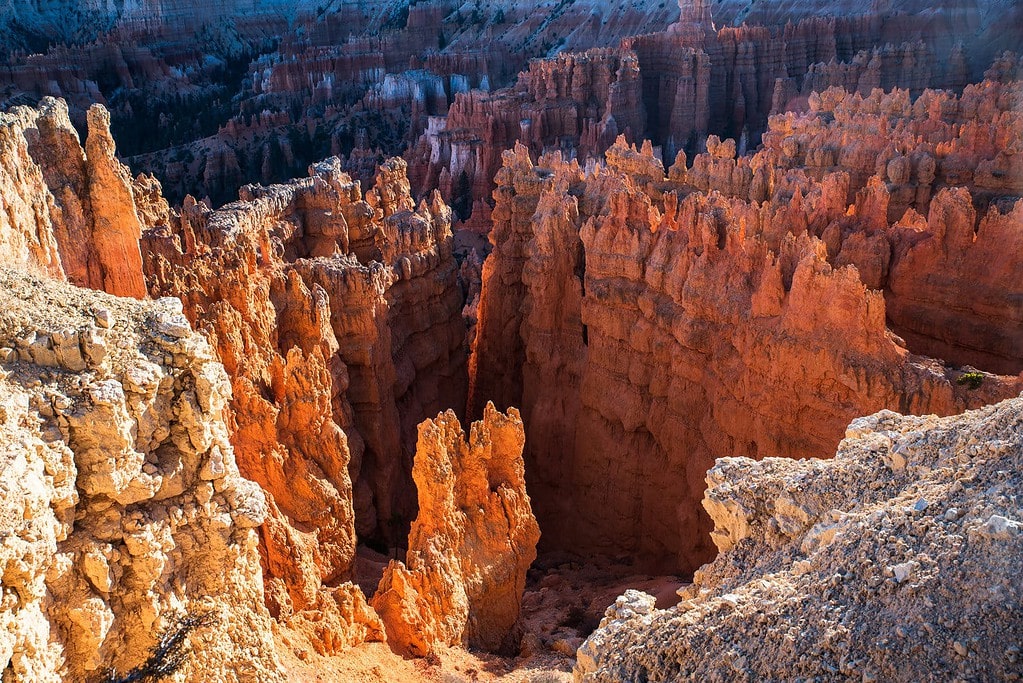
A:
[337,315]
[76,213]
[667,319]
[123,506]
[474,538]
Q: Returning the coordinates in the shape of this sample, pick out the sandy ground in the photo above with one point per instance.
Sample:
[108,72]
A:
[563,603]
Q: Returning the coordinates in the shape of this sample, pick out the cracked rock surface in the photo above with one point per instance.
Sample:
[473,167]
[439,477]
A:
[121,506]
[898,560]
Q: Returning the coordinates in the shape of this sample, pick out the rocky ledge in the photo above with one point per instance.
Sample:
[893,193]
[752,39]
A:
[898,560]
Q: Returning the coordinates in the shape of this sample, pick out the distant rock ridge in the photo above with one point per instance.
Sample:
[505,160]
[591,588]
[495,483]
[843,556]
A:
[700,77]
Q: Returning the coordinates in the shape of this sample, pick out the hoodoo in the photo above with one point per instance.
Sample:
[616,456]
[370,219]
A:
[592,340]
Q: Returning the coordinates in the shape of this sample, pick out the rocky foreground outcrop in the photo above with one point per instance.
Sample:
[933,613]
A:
[122,508]
[898,560]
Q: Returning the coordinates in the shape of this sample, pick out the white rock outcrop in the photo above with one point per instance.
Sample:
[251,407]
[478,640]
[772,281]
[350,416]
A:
[121,507]
[901,559]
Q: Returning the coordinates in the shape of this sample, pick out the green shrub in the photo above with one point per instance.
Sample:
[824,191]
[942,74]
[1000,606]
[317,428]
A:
[972,380]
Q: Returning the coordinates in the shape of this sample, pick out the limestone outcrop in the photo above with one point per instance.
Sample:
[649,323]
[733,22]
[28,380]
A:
[469,548]
[123,508]
[663,325]
[895,560]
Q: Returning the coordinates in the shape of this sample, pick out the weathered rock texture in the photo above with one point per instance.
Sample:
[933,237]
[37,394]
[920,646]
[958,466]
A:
[122,505]
[471,544]
[646,326]
[897,560]
[337,317]
[73,212]
[700,77]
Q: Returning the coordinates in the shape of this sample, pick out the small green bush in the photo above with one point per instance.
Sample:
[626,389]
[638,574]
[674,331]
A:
[972,380]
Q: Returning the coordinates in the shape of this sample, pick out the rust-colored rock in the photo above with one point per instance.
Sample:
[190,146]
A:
[471,544]
[116,228]
[635,364]
[337,319]
[75,213]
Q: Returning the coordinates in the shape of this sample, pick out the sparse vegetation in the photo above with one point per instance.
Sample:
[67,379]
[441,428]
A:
[169,654]
[971,380]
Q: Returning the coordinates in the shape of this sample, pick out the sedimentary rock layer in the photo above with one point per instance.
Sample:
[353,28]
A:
[701,77]
[907,542]
[123,508]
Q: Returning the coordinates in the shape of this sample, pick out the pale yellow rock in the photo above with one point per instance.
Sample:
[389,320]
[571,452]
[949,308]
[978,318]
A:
[110,533]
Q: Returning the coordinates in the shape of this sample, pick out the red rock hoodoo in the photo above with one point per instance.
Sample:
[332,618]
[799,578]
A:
[636,243]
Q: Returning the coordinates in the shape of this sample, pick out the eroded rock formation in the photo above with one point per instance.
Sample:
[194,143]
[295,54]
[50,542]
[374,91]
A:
[662,325]
[338,320]
[908,540]
[704,77]
[75,213]
[123,508]
[469,548]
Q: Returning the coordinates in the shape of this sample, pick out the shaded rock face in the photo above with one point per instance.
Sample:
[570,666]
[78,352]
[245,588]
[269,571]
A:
[662,325]
[910,535]
[471,543]
[337,316]
[75,213]
[123,507]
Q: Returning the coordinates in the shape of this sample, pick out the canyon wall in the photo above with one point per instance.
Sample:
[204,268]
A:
[123,506]
[337,316]
[662,325]
[907,539]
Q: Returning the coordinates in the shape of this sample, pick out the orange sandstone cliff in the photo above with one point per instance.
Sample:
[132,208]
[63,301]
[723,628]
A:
[662,326]
[337,318]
